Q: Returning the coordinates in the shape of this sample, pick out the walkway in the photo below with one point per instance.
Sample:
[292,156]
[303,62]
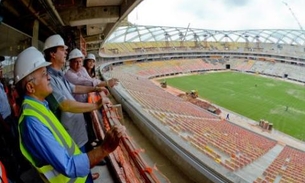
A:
[255,169]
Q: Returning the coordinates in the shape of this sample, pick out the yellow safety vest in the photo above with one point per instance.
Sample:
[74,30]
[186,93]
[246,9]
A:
[47,172]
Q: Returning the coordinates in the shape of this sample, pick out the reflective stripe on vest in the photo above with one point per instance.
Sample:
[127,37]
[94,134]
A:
[3,173]
[45,116]
[56,131]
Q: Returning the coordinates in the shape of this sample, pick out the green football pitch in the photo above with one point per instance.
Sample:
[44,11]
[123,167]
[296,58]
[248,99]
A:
[256,97]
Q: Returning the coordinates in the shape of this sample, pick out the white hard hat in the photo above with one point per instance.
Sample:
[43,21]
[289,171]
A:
[76,53]
[27,62]
[10,82]
[90,56]
[54,41]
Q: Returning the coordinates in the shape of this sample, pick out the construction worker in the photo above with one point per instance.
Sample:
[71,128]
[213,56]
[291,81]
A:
[89,65]
[44,141]
[10,154]
[5,108]
[61,101]
[78,75]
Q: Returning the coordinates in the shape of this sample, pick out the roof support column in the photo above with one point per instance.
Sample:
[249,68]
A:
[35,33]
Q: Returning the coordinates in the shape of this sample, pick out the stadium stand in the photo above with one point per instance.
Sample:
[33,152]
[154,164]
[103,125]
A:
[227,144]
[196,122]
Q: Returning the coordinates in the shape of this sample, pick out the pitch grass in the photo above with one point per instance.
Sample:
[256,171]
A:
[254,96]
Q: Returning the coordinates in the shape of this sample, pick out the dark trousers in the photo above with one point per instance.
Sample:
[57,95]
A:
[10,153]
[89,178]
[90,128]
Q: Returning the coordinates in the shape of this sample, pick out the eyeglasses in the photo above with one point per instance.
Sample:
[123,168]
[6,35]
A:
[44,74]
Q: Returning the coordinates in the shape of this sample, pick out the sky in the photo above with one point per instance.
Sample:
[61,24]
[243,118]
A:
[221,14]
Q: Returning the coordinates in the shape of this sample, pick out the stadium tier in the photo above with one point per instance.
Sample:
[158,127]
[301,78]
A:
[234,147]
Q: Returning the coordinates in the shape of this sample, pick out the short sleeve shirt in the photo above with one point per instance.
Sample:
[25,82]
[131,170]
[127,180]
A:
[74,123]
[5,108]
[81,77]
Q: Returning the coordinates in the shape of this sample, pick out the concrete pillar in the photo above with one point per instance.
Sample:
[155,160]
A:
[35,34]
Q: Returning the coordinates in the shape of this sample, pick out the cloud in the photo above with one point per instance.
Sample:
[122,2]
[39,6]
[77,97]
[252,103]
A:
[221,14]
[235,3]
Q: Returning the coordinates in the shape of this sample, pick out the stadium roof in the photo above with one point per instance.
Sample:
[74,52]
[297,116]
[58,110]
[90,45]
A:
[137,33]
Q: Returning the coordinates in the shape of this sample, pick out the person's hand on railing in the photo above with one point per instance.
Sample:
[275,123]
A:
[101,89]
[112,82]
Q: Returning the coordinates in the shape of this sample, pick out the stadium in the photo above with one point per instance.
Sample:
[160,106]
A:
[138,54]
[221,105]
